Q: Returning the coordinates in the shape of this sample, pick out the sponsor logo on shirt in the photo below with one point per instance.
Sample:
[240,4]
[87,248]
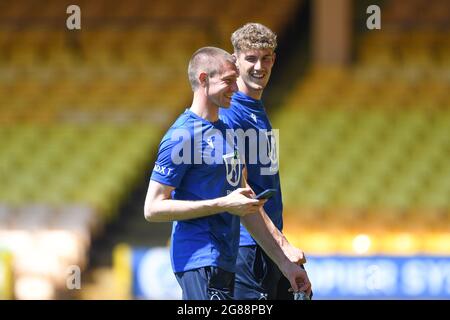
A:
[165,171]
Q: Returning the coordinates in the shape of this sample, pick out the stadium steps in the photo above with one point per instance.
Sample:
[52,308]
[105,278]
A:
[370,145]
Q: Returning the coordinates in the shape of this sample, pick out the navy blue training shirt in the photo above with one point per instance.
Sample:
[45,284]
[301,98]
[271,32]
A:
[261,157]
[197,160]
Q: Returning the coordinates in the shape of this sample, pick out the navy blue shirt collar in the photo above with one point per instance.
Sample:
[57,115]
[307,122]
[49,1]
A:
[196,116]
[244,99]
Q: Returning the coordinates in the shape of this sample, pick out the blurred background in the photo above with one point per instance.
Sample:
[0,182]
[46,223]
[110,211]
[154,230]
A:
[364,120]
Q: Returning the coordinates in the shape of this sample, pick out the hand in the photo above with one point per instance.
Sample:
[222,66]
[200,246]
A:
[241,203]
[294,254]
[297,277]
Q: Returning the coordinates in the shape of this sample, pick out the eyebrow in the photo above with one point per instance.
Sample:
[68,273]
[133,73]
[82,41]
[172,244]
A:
[255,56]
[228,76]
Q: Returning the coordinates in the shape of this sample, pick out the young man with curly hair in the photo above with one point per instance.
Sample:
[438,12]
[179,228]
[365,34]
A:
[257,276]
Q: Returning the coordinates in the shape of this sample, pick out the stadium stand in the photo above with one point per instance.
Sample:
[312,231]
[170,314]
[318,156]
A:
[371,144]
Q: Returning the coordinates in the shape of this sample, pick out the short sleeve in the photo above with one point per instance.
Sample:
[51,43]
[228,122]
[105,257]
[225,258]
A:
[174,159]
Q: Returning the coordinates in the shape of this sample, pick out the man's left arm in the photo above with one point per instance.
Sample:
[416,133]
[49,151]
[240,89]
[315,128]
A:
[277,247]
[261,224]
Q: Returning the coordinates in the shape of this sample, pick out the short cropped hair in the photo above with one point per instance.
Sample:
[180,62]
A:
[208,60]
[253,36]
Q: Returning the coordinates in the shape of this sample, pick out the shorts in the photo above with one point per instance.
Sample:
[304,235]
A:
[206,283]
[258,277]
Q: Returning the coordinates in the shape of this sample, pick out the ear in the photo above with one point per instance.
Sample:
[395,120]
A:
[203,79]
[273,57]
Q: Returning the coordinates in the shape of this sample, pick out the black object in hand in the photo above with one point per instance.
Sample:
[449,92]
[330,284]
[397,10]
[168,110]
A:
[266,194]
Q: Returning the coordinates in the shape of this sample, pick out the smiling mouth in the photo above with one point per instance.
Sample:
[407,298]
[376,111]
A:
[257,76]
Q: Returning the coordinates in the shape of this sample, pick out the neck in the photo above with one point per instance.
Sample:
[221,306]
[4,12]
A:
[204,109]
[255,94]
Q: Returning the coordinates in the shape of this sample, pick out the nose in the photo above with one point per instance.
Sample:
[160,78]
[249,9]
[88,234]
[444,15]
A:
[257,65]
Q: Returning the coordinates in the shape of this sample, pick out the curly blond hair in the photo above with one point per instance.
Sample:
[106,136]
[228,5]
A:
[253,36]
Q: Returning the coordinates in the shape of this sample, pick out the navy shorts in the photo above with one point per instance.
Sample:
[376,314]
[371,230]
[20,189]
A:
[206,283]
[258,277]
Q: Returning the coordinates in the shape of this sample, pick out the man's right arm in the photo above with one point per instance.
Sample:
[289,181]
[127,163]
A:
[159,207]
